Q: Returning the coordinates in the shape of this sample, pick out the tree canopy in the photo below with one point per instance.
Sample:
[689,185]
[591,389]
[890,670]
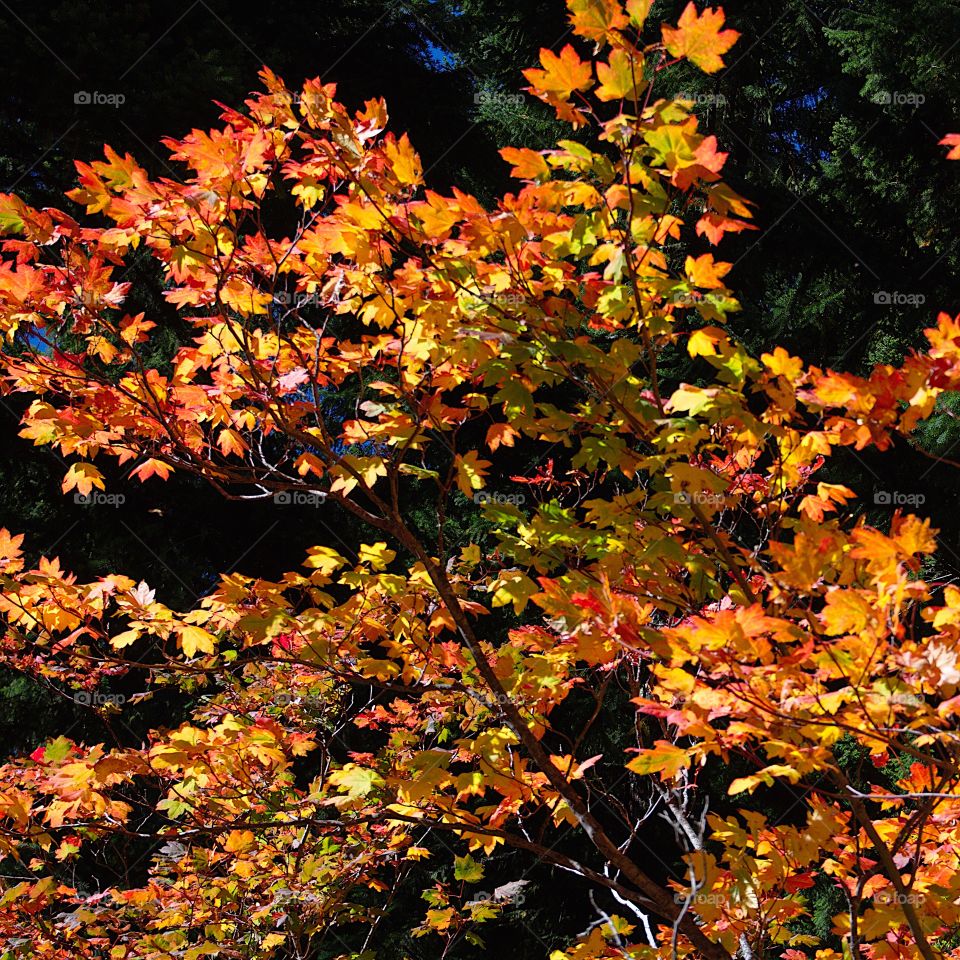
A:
[587,566]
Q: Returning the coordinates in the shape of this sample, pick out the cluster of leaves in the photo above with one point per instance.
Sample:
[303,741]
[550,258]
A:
[680,556]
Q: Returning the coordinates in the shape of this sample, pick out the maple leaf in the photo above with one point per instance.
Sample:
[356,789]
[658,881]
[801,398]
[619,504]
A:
[704,271]
[515,587]
[355,782]
[324,559]
[561,75]
[467,869]
[376,554]
[407,167]
[370,469]
[134,330]
[231,442]
[952,140]
[152,467]
[470,472]
[10,552]
[703,342]
[767,775]
[12,213]
[289,382]
[714,226]
[700,37]
[621,77]
[665,758]
[596,19]
[799,881]
[194,640]
[528,164]
[83,477]
[500,434]
[637,10]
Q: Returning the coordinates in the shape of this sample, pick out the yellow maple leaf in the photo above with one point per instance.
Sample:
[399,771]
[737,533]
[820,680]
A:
[403,158]
[620,77]
[324,559]
[596,19]
[705,272]
[376,555]
[665,758]
[514,587]
[194,639]
[700,38]
[84,477]
[703,342]
[470,472]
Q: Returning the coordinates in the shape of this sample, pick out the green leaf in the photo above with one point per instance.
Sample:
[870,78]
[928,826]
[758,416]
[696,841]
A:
[356,782]
[467,869]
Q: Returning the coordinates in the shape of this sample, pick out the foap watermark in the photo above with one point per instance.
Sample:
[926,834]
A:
[298,498]
[287,298]
[906,700]
[702,99]
[97,498]
[89,698]
[513,499]
[703,498]
[494,98]
[898,98]
[507,893]
[897,498]
[895,298]
[713,899]
[501,299]
[97,98]
[489,700]
[892,896]
[90,298]
[690,298]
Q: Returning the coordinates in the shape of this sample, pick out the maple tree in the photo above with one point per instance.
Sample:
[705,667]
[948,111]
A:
[682,553]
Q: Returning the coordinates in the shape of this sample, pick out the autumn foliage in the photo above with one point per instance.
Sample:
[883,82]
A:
[683,565]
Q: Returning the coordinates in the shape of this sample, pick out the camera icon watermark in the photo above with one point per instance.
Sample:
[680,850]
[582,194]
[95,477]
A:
[298,498]
[96,98]
[97,498]
[897,498]
[894,298]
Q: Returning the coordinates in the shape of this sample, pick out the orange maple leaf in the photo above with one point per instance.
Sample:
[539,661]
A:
[952,140]
[700,38]
[560,75]
[595,19]
[150,468]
